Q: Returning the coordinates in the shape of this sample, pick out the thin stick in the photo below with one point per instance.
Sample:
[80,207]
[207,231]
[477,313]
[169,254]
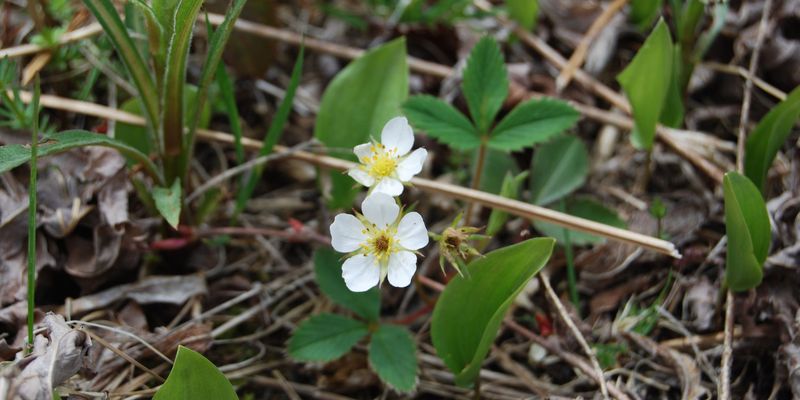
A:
[573,359]
[727,345]
[738,70]
[122,354]
[443,71]
[69,37]
[562,312]
[579,55]
[619,101]
[518,208]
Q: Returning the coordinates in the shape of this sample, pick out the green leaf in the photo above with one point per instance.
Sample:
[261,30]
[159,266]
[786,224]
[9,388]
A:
[194,377]
[273,134]
[485,83]
[393,355]
[524,12]
[532,122]
[105,13]
[325,337]
[768,137]
[168,202]
[12,156]
[643,12]
[469,311]
[510,190]
[328,269]
[748,228]
[583,208]
[673,111]
[646,83]
[559,167]
[174,81]
[441,121]
[358,103]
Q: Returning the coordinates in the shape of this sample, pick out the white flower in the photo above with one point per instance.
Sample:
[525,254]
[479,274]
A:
[386,165]
[380,243]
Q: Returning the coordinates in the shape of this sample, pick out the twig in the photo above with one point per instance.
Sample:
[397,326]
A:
[308,390]
[443,71]
[515,207]
[69,37]
[239,169]
[573,359]
[619,101]
[122,354]
[579,55]
[562,312]
[290,392]
[727,345]
[738,70]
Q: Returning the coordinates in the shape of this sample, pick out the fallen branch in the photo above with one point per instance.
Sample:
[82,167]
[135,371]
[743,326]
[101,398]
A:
[516,207]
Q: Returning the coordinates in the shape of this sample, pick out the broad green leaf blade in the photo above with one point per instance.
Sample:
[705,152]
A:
[106,14]
[532,122]
[471,308]
[328,269]
[673,111]
[644,12]
[393,355]
[485,83]
[212,64]
[441,121]
[583,208]
[748,229]
[174,81]
[358,103]
[524,12]
[768,137]
[273,134]
[510,189]
[194,377]
[15,155]
[559,167]
[325,337]
[646,83]
[168,202]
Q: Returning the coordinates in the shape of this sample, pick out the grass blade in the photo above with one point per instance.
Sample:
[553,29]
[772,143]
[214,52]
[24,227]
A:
[32,215]
[274,133]
[174,81]
[216,46]
[106,14]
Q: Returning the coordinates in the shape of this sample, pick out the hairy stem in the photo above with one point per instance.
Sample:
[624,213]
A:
[571,275]
[476,178]
[32,216]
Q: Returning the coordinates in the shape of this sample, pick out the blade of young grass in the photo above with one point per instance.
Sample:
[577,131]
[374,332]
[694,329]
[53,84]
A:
[216,46]
[274,133]
[229,100]
[32,215]
[106,14]
[174,81]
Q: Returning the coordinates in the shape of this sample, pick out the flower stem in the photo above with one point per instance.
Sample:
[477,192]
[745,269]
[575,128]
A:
[571,275]
[32,216]
[476,179]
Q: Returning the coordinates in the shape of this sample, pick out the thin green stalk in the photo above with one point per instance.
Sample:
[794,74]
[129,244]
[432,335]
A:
[476,177]
[32,216]
[571,275]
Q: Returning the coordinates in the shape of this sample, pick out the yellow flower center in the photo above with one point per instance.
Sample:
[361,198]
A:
[381,243]
[382,163]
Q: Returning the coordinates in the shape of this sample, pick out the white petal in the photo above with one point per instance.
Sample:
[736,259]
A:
[363,151]
[361,272]
[389,186]
[361,176]
[411,232]
[380,209]
[402,266]
[397,133]
[411,165]
[346,233]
